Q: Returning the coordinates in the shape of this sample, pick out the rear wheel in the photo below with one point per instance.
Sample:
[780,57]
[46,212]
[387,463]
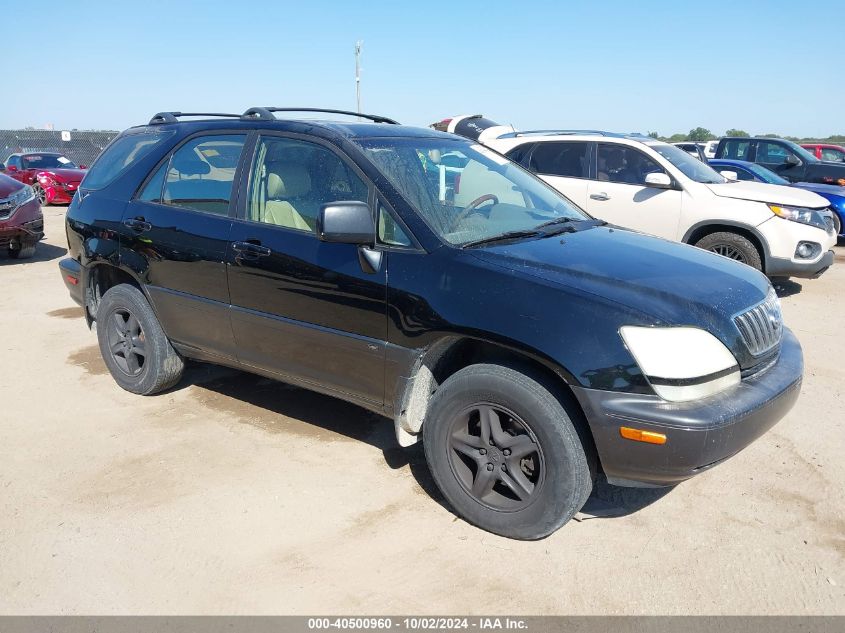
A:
[133,345]
[733,246]
[505,452]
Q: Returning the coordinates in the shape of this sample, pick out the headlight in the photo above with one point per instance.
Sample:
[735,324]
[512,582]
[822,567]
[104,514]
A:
[681,363]
[813,217]
[22,196]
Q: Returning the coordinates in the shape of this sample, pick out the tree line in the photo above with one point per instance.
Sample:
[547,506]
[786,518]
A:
[701,134]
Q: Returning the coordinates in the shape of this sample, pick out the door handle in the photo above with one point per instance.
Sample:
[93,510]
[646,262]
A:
[251,249]
[138,224]
[600,196]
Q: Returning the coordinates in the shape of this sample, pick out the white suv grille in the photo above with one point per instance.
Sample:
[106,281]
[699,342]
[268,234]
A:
[761,326]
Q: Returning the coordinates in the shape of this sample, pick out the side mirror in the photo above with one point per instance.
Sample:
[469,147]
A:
[792,161]
[11,168]
[346,222]
[658,180]
[730,175]
[83,166]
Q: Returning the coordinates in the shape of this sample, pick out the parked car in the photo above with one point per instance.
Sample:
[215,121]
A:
[743,170]
[528,344]
[21,222]
[641,183]
[783,157]
[826,151]
[696,150]
[54,177]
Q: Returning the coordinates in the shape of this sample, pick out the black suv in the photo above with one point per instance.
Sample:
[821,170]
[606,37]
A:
[431,280]
[785,158]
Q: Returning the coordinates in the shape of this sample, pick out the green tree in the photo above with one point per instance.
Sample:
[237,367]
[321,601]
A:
[677,138]
[654,135]
[735,132]
[700,134]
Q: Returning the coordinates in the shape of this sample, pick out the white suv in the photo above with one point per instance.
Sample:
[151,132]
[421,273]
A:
[650,186]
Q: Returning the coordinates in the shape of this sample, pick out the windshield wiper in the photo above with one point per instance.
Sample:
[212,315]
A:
[503,237]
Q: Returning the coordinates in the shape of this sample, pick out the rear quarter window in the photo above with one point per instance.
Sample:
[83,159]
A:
[119,156]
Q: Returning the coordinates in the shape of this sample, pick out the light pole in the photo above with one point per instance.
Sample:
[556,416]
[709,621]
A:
[358,46]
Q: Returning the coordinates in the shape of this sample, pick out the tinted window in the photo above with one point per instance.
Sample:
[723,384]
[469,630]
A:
[623,164]
[518,154]
[152,190]
[691,167]
[201,172]
[561,159]
[119,156]
[292,179]
[741,174]
[736,149]
[14,161]
[771,153]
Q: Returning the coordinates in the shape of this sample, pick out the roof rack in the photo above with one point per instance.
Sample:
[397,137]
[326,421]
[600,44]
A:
[556,133]
[267,114]
[173,117]
[263,114]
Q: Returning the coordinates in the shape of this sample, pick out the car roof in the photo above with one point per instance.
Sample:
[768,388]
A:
[320,127]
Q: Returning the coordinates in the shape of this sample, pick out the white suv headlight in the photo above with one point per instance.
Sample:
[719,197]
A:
[681,363]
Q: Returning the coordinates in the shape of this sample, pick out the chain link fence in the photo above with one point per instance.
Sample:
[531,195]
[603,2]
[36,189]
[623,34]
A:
[81,146]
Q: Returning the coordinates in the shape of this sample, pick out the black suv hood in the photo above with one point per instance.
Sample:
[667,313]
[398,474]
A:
[672,283]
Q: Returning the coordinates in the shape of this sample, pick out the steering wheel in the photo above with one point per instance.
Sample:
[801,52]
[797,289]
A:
[472,206]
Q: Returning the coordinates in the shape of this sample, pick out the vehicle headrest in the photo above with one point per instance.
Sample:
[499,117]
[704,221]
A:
[287,180]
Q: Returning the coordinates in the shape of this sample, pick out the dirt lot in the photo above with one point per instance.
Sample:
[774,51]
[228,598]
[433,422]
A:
[235,494]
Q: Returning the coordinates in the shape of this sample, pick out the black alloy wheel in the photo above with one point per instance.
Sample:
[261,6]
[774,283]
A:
[127,342]
[495,457]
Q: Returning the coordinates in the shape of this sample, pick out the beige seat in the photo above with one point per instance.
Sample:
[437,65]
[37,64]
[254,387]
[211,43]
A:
[287,184]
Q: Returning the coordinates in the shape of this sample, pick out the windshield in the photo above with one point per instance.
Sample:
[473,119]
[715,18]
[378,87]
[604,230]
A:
[766,175]
[801,152]
[47,161]
[464,191]
[691,167]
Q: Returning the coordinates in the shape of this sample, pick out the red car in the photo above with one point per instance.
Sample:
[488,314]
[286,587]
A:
[825,151]
[53,177]
[21,222]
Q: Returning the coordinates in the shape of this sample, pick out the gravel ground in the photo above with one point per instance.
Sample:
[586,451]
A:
[235,494]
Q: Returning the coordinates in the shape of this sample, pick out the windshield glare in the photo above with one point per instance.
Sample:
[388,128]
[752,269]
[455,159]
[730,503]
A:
[464,191]
[691,167]
[47,161]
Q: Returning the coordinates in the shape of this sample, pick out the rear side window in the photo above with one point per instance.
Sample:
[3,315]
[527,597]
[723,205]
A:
[120,156]
[737,149]
[828,153]
[561,159]
[201,172]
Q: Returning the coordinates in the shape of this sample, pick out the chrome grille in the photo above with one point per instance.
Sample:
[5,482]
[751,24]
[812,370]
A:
[761,326]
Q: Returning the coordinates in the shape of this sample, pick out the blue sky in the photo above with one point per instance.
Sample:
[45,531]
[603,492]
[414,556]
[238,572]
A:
[626,66]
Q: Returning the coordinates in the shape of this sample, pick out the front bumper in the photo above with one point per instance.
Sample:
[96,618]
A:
[699,434]
[778,267]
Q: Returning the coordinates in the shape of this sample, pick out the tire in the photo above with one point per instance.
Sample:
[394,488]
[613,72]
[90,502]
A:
[24,252]
[133,345]
[40,194]
[733,246]
[547,460]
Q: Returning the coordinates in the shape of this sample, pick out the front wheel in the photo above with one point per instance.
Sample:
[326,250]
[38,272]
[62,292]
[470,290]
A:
[24,251]
[133,345]
[40,194]
[733,246]
[505,452]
